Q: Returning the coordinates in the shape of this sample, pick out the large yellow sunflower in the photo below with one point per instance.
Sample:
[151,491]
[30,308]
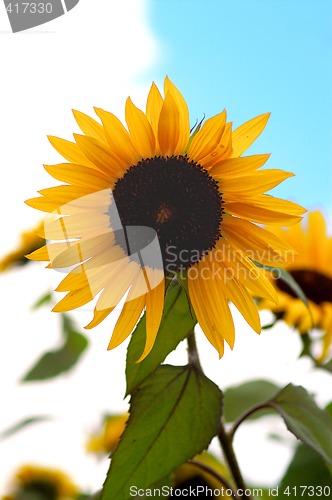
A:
[145,202]
[311,268]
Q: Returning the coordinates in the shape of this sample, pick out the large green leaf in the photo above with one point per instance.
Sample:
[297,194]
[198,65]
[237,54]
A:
[22,424]
[306,475]
[239,399]
[174,414]
[177,322]
[53,363]
[308,422]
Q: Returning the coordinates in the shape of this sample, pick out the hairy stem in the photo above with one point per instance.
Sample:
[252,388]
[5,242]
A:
[227,448]
[245,415]
[193,357]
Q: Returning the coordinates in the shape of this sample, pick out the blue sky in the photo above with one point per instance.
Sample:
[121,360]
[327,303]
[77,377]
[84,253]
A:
[254,56]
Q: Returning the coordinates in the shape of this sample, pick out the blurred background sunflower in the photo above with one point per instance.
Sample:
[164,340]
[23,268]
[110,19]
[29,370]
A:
[311,269]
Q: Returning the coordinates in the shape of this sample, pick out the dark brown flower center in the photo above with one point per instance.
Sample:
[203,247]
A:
[316,286]
[178,200]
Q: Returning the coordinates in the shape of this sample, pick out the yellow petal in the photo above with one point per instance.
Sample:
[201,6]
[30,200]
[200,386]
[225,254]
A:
[39,254]
[266,209]
[237,167]
[141,132]
[240,297]
[80,175]
[99,155]
[129,316]
[118,138]
[247,133]
[74,299]
[70,151]
[257,243]
[154,104]
[184,124]
[204,305]
[254,184]
[236,265]
[169,127]
[154,309]
[208,138]
[89,126]
[98,317]
[223,150]
[42,203]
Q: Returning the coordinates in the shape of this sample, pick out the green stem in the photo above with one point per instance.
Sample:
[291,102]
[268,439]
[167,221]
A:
[224,439]
[193,357]
[227,448]
[245,415]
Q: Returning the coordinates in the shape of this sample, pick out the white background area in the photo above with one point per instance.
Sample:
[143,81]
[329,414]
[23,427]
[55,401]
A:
[95,57]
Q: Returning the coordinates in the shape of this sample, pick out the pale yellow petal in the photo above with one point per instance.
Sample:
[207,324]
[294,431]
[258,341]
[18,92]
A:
[117,285]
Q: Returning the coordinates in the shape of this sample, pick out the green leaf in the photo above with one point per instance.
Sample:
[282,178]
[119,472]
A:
[177,322]
[174,414]
[22,424]
[44,299]
[308,422]
[54,363]
[306,469]
[239,399]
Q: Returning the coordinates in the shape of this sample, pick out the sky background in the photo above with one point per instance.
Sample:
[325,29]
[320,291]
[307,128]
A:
[252,57]
[249,57]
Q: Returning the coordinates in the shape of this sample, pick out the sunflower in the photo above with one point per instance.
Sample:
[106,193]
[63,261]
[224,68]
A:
[30,241]
[106,440]
[32,481]
[147,202]
[311,269]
